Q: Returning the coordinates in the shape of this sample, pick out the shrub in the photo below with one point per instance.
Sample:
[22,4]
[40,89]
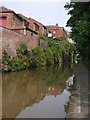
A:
[49,56]
[17,64]
[5,57]
[38,57]
[22,49]
[57,54]
[5,61]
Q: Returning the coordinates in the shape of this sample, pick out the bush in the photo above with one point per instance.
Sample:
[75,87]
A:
[49,56]
[17,64]
[38,57]
[22,49]
[57,54]
[5,61]
[5,57]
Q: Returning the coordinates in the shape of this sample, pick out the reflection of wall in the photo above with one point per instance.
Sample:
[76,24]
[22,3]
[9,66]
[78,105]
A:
[24,88]
[17,94]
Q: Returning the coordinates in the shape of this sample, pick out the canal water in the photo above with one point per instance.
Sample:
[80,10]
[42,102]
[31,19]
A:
[37,93]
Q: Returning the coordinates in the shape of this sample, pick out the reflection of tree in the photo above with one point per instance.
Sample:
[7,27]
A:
[24,88]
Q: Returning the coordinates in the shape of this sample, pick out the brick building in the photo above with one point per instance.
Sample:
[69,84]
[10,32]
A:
[57,31]
[35,25]
[9,19]
[15,31]
[18,30]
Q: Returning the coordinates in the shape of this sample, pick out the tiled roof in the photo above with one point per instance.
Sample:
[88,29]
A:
[31,19]
[3,9]
[24,17]
[52,27]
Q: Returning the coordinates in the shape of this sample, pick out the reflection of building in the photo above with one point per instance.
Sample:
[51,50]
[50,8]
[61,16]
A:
[55,90]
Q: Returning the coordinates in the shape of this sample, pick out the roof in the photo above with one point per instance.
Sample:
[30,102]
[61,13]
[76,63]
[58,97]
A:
[55,27]
[23,17]
[52,27]
[35,21]
[28,19]
[4,9]
[31,20]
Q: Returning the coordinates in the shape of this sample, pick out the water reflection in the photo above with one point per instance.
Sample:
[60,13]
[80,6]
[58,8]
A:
[49,107]
[43,88]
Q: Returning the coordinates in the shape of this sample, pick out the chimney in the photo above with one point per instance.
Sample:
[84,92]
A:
[57,24]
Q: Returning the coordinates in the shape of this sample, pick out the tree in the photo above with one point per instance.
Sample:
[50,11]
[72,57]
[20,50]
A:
[80,26]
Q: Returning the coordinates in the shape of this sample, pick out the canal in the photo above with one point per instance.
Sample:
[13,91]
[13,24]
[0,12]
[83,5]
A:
[36,93]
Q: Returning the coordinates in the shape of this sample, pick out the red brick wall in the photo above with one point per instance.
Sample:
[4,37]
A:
[12,21]
[11,40]
[0,43]
[59,31]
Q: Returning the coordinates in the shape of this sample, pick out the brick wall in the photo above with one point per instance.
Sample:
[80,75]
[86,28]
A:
[11,40]
[0,43]
[59,31]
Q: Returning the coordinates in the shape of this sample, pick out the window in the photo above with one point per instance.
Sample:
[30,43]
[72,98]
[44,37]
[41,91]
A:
[31,35]
[3,21]
[24,23]
[44,31]
[24,31]
[3,17]
[36,27]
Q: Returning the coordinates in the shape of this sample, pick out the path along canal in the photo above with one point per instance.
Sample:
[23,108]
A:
[38,93]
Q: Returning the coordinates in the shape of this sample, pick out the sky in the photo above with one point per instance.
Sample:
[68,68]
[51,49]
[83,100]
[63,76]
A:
[48,12]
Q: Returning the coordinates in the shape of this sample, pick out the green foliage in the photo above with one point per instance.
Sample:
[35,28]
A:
[12,63]
[53,54]
[5,61]
[38,57]
[5,57]
[17,64]
[44,37]
[80,25]
[67,50]
[23,53]
[49,56]
[22,49]
[67,47]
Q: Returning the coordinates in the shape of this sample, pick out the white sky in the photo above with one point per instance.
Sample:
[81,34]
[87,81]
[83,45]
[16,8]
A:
[48,12]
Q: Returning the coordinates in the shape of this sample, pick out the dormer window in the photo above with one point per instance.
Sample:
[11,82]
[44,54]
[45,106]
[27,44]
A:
[25,23]
[44,30]
[36,27]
